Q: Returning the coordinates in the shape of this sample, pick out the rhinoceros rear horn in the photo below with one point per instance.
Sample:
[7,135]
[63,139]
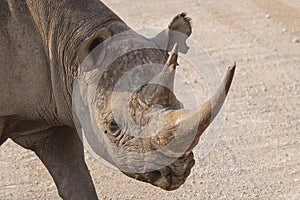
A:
[159,91]
[172,59]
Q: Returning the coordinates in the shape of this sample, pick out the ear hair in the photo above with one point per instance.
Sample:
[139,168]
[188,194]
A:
[178,31]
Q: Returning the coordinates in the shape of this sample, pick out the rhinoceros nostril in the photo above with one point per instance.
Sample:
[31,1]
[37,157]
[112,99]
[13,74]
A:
[163,180]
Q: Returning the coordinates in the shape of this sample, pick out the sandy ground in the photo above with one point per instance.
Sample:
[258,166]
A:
[258,152]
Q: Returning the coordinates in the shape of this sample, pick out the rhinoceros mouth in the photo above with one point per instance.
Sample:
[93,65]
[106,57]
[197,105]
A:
[170,177]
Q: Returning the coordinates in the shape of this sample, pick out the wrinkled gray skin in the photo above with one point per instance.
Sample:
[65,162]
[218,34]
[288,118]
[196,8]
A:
[42,45]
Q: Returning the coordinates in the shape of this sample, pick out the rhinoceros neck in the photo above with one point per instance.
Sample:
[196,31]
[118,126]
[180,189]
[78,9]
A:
[63,26]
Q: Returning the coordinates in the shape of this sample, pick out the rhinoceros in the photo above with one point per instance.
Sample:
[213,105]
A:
[44,43]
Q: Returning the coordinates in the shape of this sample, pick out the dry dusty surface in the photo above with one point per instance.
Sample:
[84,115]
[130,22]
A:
[258,152]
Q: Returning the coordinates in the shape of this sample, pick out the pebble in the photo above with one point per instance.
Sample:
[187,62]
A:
[293,173]
[268,16]
[296,40]
[284,30]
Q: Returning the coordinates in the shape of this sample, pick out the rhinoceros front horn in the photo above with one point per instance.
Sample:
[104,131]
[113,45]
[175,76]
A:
[183,128]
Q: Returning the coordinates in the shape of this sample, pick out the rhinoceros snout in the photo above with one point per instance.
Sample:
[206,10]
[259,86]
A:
[174,175]
[170,177]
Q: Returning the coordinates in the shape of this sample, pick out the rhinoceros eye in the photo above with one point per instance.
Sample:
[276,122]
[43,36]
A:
[113,126]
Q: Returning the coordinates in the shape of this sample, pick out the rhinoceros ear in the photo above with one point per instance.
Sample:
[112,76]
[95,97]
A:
[90,43]
[178,32]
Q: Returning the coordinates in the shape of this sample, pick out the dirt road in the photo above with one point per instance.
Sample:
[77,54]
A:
[258,152]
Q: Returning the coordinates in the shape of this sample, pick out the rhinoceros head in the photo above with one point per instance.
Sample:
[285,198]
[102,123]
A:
[133,117]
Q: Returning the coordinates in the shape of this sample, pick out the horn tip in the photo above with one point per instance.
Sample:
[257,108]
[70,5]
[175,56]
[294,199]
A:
[175,48]
[232,67]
